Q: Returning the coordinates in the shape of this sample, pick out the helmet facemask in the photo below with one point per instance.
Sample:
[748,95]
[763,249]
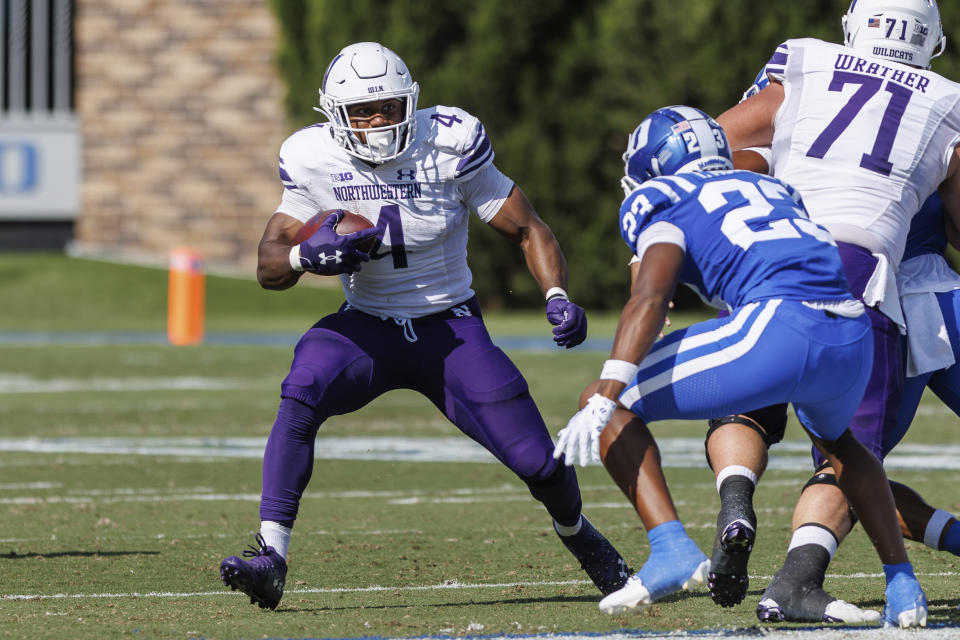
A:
[369,72]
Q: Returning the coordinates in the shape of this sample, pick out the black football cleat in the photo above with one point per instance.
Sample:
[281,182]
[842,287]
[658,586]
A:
[261,577]
[602,562]
[728,580]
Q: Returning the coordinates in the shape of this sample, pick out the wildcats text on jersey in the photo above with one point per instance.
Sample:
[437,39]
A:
[391,191]
[847,62]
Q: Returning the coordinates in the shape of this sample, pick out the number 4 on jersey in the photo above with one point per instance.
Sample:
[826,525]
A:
[446,119]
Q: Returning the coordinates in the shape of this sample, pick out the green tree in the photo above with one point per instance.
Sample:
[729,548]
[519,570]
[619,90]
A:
[559,85]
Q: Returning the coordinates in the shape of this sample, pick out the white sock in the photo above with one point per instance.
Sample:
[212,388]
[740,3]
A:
[735,470]
[568,531]
[812,534]
[277,536]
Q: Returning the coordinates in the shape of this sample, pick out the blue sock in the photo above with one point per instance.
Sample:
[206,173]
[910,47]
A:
[894,570]
[665,536]
[903,591]
[673,559]
[951,540]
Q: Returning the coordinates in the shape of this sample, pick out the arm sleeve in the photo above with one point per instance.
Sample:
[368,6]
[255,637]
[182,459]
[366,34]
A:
[764,152]
[486,191]
[659,232]
[297,206]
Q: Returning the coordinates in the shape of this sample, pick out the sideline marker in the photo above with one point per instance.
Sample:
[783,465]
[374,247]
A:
[186,298]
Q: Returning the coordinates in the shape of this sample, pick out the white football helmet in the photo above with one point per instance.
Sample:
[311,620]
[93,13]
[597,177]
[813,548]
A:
[366,72]
[905,31]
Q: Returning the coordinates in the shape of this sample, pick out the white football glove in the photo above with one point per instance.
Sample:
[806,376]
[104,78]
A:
[582,433]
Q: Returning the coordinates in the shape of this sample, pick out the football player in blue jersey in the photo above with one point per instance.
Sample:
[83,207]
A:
[411,319]
[743,242]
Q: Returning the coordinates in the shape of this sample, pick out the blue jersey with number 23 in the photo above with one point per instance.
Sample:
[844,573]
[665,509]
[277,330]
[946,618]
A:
[746,237]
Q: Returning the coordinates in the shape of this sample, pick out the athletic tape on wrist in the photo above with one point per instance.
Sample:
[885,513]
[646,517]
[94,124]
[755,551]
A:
[295,258]
[619,370]
[556,292]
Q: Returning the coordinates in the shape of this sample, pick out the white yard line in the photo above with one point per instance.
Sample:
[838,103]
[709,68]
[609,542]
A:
[14,383]
[676,452]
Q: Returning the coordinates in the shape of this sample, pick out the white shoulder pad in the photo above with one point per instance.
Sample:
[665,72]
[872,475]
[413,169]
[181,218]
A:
[776,66]
[459,137]
[299,154]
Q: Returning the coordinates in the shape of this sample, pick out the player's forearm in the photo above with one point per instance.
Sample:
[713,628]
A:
[640,324]
[273,266]
[544,258]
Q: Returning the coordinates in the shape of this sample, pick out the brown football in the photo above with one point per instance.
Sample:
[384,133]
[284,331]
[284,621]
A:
[348,224]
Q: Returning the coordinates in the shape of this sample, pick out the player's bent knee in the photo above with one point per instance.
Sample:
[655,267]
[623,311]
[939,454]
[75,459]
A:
[552,473]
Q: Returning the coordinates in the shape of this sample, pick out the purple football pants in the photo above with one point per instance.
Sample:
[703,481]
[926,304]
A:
[877,413]
[349,358]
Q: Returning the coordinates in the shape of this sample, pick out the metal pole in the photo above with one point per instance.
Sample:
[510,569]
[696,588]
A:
[18,56]
[62,55]
[39,56]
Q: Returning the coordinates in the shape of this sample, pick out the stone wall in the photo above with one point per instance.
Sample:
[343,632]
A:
[180,106]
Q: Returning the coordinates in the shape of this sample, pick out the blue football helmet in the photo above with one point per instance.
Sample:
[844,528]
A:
[674,140]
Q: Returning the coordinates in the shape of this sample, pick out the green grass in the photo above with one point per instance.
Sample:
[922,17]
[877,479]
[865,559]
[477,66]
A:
[375,542]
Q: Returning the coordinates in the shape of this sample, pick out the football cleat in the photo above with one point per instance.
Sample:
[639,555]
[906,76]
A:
[786,601]
[637,594]
[906,603]
[602,562]
[261,577]
[728,581]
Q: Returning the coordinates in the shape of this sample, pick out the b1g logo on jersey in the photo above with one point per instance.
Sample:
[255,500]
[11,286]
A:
[341,177]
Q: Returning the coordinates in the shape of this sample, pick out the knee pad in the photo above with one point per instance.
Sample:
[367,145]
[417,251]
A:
[773,420]
[744,419]
[819,477]
[328,366]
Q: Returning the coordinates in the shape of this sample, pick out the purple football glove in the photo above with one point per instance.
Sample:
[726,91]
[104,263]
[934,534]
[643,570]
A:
[569,320]
[328,253]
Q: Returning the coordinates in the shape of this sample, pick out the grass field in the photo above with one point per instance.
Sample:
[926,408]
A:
[128,470]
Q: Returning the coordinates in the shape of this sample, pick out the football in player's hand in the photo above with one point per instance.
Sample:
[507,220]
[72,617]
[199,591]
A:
[349,223]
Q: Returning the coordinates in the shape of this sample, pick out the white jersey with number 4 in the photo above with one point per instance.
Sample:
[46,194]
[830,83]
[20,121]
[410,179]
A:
[865,141]
[421,201]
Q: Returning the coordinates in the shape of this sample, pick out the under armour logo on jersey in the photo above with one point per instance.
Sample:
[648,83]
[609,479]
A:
[406,174]
[463,311]
[324,258]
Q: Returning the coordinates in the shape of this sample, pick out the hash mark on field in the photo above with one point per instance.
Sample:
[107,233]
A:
[30,485]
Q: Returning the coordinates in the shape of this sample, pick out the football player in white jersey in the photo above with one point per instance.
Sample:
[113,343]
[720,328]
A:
[410,319]
[865,132]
